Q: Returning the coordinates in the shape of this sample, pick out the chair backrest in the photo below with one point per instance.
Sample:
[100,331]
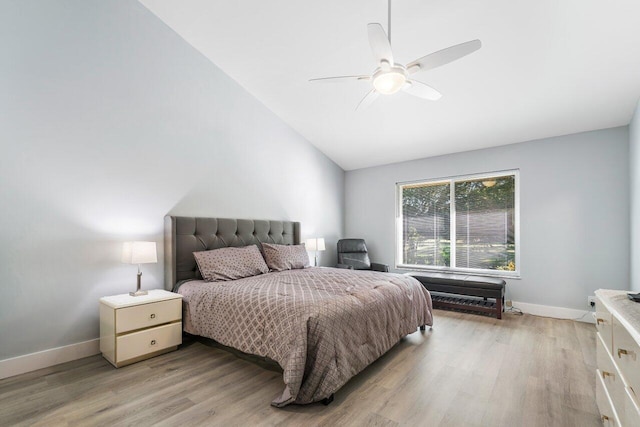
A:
[353,252]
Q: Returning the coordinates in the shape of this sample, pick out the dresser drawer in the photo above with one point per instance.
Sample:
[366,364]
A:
[604,325]
[609,415]
[146,315]
[631,409]
[609,372]
[140,343]
[626,354]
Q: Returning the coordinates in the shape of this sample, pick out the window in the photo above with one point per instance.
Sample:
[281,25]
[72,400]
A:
[467,223]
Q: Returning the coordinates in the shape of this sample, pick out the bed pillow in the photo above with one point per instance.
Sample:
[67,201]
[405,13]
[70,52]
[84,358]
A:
[285,257]
[230,263]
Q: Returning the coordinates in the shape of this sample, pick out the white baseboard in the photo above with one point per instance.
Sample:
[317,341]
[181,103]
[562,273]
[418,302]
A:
[44,359]
[557,312]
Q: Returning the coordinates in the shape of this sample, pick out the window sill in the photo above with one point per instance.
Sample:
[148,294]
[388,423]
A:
[515,275]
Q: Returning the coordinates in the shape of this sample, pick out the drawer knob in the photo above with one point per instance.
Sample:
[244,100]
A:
[629,353]
[606,374]
[153,342]
[604,418]
[153,315]
[598,321]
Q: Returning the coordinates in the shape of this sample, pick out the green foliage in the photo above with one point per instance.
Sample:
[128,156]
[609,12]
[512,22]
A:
[476,196]
[418,201]
[446,255]
[511,266]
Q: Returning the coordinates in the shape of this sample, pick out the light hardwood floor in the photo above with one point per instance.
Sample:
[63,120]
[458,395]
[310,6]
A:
[468,371]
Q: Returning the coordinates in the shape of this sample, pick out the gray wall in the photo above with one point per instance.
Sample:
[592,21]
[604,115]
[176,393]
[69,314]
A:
[110,121]
[574,211]
[634,160]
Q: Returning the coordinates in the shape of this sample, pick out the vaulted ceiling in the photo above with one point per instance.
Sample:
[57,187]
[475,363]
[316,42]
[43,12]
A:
[546,68]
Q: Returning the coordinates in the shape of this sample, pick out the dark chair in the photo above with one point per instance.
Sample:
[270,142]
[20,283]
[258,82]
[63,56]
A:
[352,254]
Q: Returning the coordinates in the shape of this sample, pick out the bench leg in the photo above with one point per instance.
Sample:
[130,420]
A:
[327,401]
[499,302]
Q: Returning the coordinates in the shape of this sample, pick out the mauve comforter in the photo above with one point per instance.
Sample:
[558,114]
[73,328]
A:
[322,325]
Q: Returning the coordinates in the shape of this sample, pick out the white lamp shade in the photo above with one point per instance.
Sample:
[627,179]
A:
[139,252]
[315,244]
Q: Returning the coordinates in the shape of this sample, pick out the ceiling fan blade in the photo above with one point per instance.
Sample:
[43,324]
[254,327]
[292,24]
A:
[421,90]
[368,99]
[380,44]
[443,56]
[339,79]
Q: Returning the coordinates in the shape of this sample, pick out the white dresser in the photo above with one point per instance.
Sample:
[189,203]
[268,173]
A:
[136,328]
[618,358]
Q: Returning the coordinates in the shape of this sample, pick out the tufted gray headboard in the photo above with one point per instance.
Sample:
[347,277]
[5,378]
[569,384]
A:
[185,235]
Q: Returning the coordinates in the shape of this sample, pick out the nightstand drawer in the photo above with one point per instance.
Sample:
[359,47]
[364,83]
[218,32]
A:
[148,341]
[146,315]
[626,354]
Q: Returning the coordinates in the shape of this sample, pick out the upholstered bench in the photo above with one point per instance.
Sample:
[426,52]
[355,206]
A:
[465,285]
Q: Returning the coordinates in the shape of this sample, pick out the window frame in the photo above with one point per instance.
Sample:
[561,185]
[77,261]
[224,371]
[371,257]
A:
[451,180]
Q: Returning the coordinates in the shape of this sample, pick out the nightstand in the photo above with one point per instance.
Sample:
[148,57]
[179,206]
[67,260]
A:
[137,328]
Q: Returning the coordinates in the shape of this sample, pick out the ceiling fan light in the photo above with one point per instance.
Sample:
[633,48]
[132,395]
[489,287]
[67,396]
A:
[389,83]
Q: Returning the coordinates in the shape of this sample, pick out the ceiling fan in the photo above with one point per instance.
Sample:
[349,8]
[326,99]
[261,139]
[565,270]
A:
[389,77]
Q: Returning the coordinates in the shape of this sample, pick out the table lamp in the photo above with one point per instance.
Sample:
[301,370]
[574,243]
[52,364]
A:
[316,245]
[139,253]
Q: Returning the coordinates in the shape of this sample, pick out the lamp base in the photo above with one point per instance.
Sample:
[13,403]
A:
[138,293]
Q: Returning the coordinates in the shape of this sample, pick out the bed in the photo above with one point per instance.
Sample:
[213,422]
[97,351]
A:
[321,325]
